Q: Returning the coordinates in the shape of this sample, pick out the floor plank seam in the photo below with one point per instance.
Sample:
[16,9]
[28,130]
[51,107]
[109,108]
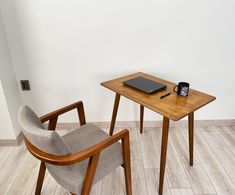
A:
[222,164]
[216,190]
[198,157]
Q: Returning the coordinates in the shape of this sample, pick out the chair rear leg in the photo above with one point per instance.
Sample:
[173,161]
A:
[127,164]
[41,176]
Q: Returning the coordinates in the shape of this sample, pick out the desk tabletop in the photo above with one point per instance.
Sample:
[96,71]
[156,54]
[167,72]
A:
[173,106]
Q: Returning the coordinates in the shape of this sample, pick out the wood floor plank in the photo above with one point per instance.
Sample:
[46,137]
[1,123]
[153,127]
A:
[12,167]
[114,183]
[225,129]
[96,189]
[152,181]
[219,178]
[147,144]
[233,128]
[134,144]
[223,154]
[5,153]
[196,174]
[174,169]
[206,194]
[182,191]
[108,183]
[49,185]
[27,177]
[212,173]
[138,178]
[61,191]
[228,140]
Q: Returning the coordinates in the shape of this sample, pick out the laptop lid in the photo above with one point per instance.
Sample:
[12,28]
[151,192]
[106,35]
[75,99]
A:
[145,85]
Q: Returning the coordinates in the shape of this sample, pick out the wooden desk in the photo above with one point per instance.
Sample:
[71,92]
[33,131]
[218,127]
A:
[172,107]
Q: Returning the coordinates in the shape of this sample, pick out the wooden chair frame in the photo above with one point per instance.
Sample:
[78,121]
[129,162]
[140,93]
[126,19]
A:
[92,152]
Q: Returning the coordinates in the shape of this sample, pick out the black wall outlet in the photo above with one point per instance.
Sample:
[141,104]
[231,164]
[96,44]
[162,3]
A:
[25,85]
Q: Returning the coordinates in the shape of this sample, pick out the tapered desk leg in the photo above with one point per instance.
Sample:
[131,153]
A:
[165,131]
[141,118]
[115,109]
[190,133]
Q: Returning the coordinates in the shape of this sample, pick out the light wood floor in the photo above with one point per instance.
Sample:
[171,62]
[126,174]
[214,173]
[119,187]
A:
[213,171]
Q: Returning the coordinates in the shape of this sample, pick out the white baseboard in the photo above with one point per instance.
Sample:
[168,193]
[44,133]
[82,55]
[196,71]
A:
[125,124]
[152,123]
[172,123]
[12,142]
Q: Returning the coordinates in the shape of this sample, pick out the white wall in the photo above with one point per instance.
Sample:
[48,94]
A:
[69,47]
[15,40]
[9,95]
[6,129]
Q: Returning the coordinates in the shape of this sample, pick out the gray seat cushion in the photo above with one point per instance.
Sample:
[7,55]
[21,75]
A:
[72,177]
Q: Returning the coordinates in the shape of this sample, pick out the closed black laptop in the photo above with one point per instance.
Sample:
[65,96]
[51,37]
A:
[145,85]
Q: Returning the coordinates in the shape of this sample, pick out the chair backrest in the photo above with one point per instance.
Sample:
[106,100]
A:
[33,129]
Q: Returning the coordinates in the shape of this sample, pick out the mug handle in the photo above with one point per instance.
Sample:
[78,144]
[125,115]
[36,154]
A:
[174,89]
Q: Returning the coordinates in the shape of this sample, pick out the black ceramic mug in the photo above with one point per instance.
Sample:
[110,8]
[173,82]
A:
[182,88]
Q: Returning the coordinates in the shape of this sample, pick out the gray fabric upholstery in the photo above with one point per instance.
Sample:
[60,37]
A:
[72,177]
[33,129]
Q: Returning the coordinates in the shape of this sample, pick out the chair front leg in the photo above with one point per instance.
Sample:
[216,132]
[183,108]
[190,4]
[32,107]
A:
[127,163]
[90,173]
[41,176]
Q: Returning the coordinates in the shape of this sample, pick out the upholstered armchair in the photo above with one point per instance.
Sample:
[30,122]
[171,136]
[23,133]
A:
[78,159]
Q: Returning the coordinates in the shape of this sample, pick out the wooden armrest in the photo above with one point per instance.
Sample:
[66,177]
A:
[77,157]
[53,116]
